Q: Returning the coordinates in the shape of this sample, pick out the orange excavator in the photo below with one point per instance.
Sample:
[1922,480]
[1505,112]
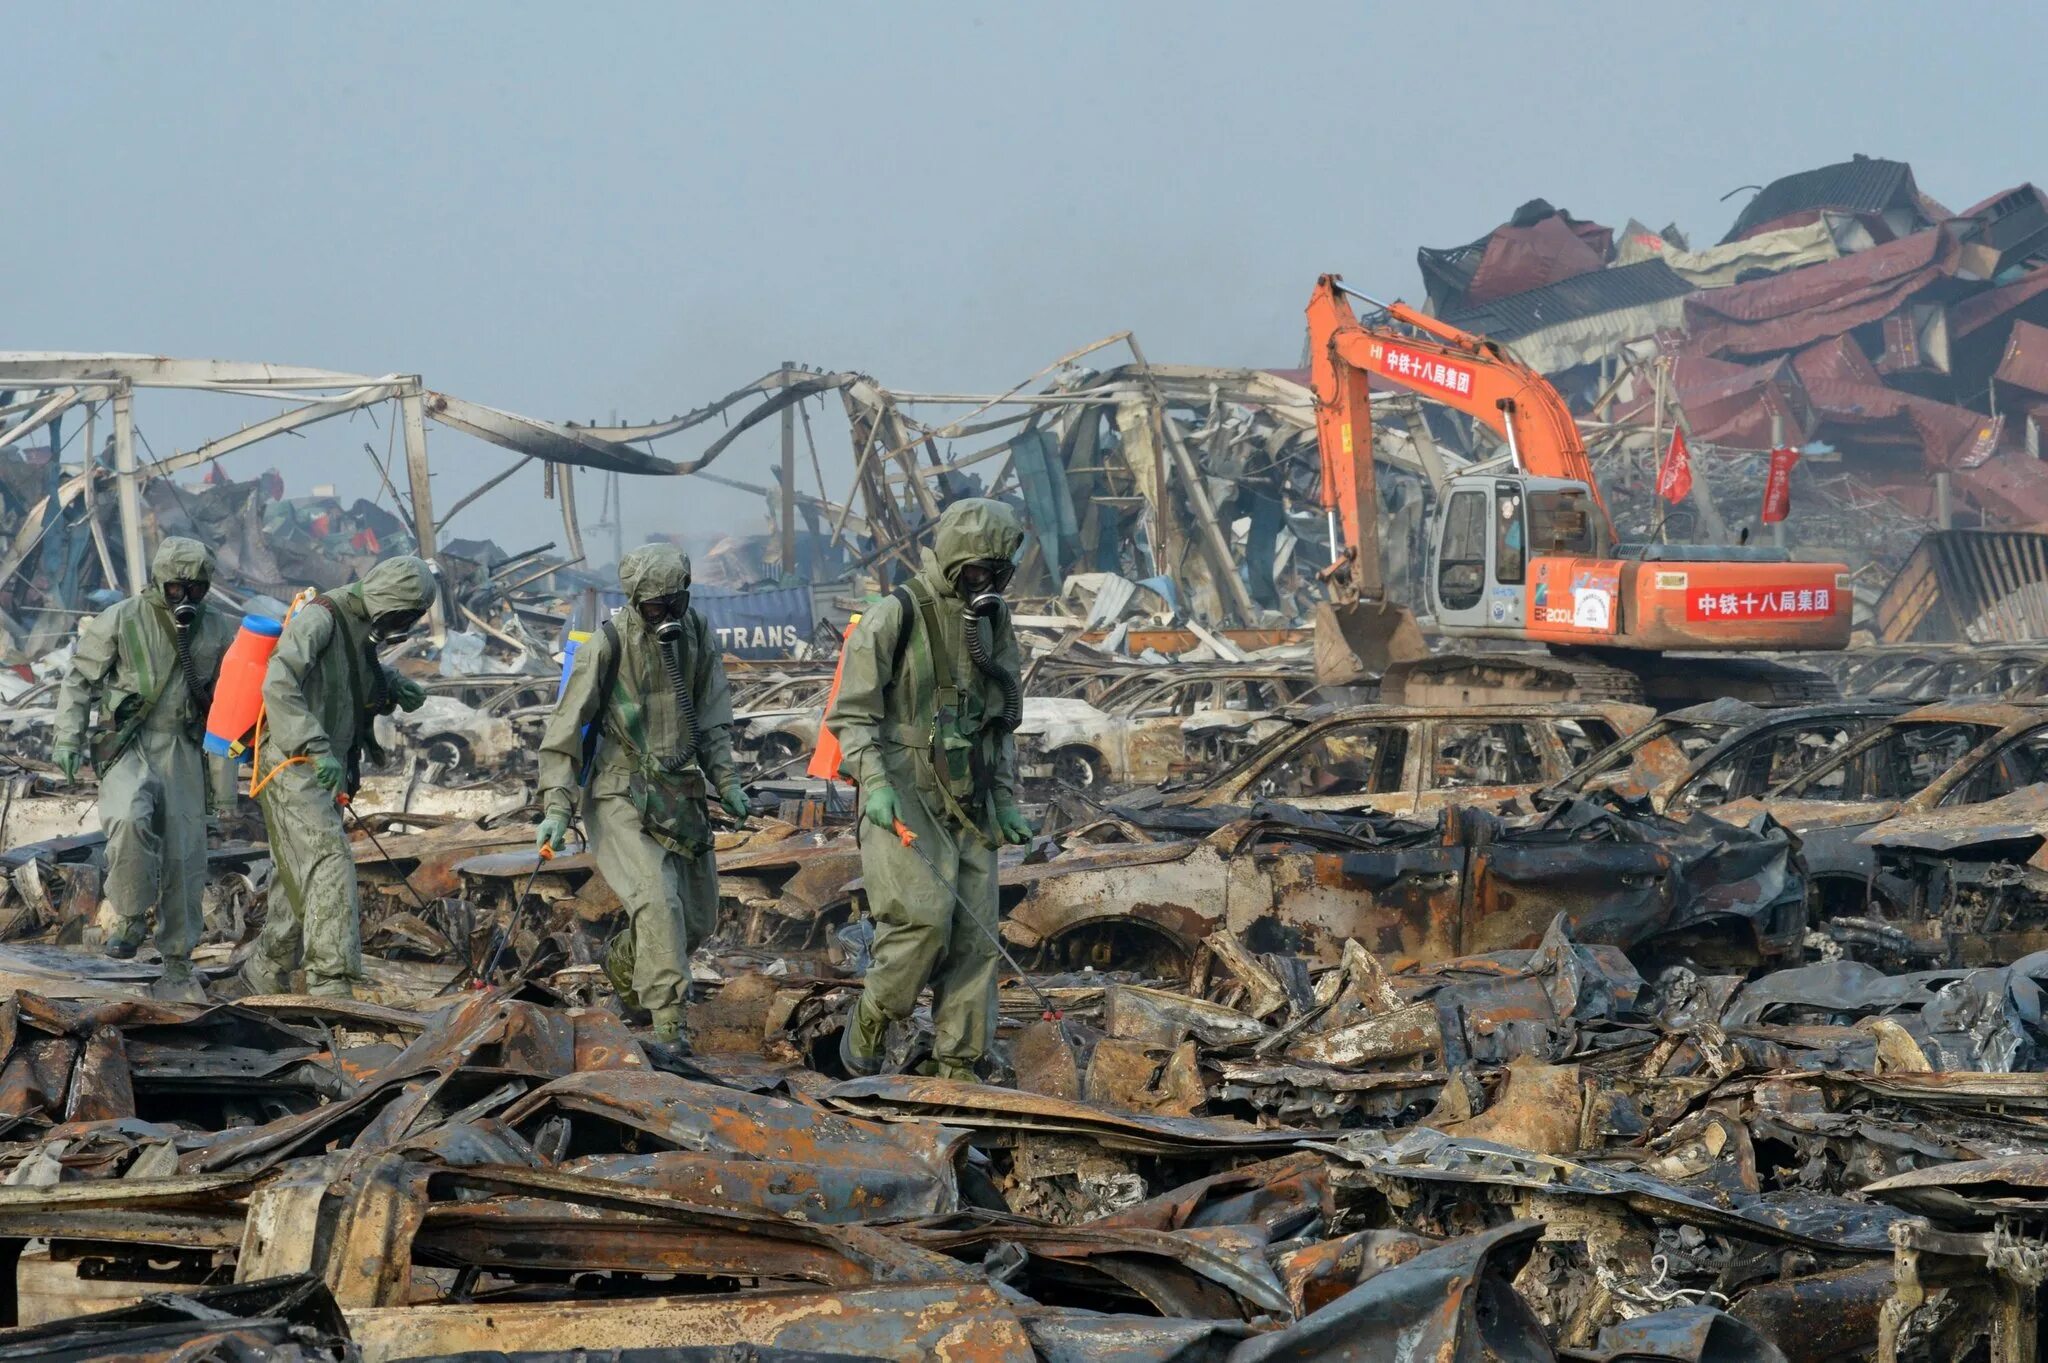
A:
[1529,553]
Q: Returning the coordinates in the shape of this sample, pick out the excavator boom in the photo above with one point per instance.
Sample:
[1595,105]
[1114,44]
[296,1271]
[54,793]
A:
[1444,364]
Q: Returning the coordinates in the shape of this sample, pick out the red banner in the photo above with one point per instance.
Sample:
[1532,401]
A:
[1674,475]
[1761,603]
[1778,485]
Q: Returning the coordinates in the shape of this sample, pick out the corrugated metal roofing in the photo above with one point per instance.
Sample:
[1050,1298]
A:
[1866,184]
[2025,362]
[1586,295]
[1448,270]
[2015,224]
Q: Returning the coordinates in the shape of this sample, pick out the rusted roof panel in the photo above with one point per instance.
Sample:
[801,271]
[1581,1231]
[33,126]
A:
[1863,184]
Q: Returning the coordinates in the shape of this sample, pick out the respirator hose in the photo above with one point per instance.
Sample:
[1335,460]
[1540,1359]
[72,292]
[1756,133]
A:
[686,709]
[979,611]
[201,701]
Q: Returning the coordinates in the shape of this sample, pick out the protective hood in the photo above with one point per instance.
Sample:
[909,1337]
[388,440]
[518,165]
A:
[177,559]
[404,583]
[654,570]
[972,528]
[181,560]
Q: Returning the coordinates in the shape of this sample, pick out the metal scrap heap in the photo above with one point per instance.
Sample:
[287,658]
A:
[1583,1082]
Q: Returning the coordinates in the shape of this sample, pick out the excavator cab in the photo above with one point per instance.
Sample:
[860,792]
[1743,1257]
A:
[1488,530]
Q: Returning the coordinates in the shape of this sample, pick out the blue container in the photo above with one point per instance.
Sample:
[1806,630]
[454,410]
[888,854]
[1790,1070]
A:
[576,638]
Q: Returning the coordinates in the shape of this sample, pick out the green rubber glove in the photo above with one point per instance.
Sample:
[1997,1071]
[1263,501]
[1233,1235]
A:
[735,800]
[408,694]
[881,807]
[66,758]
[328,771]
[553,829]
[1010,821]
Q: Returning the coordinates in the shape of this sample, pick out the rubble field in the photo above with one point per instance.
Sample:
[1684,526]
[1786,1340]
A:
[1338,1030]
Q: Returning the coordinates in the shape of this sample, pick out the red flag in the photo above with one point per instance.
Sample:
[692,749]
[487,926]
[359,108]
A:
[1674,475]
[1778,485]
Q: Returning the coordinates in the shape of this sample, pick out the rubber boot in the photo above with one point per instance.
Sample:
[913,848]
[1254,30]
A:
[618,970]
[668,1030]
[177,984]
[954,1069]
[330,989]
[258,977]
[861,1042]
[124,935]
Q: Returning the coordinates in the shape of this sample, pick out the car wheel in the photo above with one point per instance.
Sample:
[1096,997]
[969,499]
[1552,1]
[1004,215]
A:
[447,757]
[1077,768]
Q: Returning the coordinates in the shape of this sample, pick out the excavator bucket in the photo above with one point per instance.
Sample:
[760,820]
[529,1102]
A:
[1357,641]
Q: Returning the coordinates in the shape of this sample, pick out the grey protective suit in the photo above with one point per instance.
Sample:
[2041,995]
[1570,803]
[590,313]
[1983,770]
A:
[647,805]
[153,775]
[899,700]
[321,694]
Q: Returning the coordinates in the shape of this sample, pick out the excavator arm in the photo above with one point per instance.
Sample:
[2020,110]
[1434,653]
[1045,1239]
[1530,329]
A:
[1441,363]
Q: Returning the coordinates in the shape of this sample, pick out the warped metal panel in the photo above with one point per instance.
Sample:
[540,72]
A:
[1974,586]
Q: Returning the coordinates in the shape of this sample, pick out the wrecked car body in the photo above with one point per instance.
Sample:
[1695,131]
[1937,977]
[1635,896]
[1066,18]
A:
[1399,759]
[1725,750]
[1154,726]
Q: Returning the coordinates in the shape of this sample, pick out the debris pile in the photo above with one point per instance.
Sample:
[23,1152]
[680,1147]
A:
[1844,313]
[1541,1089]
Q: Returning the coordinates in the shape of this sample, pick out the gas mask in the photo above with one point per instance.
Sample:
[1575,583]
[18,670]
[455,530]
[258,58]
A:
[183,598]
[392,625]
[665,614]
[984,577]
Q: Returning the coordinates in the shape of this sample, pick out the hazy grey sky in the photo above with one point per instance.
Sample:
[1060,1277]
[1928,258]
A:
[567,210]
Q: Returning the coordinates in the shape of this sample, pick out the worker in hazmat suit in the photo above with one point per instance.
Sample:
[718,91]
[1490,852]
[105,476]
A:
[147,665]
[928,696]
[321,694]
[645,722]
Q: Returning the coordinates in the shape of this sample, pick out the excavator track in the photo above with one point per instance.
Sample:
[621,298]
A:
[1662,681]
[1673,680]
[1507,678]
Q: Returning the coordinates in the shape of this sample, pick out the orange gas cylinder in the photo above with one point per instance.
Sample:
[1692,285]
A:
[238,694]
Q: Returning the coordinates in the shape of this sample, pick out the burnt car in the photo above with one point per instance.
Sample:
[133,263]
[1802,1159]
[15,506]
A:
[1964,886]
[1705,755]
[1411,889]
[1398,758]
[1967,674]
[1930,758]
[1929,672]
[1150,728]
[779,721]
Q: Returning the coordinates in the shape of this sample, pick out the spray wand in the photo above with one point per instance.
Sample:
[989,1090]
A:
[1050,1011]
